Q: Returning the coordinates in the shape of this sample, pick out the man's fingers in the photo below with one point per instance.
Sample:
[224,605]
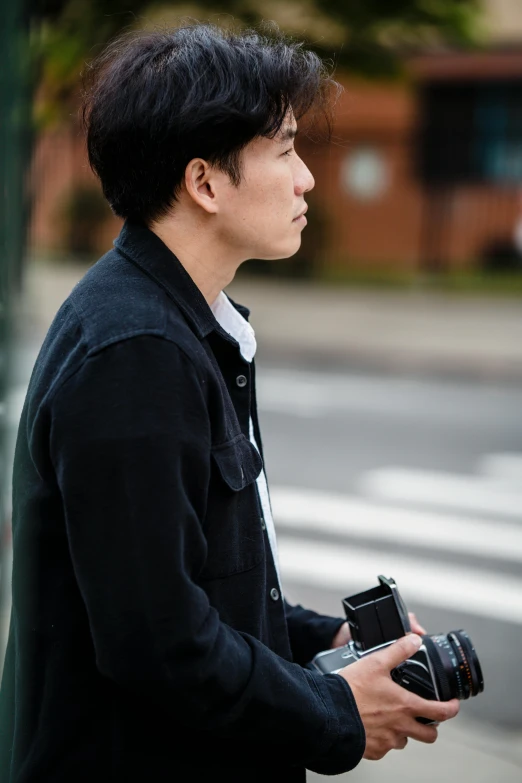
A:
[397,652]
[421,732]
[434,710]
[416,627]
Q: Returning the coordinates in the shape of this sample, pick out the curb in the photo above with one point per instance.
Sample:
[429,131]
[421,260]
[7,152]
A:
[369,361]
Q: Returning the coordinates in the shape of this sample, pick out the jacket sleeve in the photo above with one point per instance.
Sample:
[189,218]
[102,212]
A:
[309,632]
[130,442]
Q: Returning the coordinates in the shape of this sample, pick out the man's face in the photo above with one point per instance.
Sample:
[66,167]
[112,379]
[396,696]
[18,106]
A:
[263,216]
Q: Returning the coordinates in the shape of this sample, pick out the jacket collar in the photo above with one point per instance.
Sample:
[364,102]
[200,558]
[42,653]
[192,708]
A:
[143,248]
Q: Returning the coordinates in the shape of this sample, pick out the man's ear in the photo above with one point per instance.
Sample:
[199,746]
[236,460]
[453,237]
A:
[200,183]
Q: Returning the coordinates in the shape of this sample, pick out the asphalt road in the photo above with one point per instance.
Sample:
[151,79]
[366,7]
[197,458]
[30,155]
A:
[418,479]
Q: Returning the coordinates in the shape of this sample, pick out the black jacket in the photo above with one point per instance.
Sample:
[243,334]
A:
[147,641]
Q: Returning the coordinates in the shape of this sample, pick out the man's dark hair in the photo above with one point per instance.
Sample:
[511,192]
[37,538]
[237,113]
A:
[155,100]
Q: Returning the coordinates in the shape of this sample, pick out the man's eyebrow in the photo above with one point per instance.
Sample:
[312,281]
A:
[287,134]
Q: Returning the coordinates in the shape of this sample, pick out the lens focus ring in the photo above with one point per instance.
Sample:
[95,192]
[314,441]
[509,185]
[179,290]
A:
[455,664]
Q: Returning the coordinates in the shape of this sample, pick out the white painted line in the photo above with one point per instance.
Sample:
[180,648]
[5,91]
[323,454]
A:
[14,403]
[306,399]
[507,467]
[444,490]
[296,407]
[322,393]
[5,603]
[325,512]
[351,569]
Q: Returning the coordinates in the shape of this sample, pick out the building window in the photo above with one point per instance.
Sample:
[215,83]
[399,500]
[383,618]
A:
[471,132]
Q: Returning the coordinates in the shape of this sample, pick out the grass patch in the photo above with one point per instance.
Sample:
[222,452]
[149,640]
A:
[472,282]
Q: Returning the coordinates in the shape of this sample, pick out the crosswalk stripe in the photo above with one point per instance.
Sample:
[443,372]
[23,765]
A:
[324,512]
[307,393]
[444,490]
[14,404]
[352,569]
[507,467]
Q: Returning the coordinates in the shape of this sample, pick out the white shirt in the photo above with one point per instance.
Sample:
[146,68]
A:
[237,327]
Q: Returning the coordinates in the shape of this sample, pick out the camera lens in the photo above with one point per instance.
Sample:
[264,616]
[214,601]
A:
[455,665]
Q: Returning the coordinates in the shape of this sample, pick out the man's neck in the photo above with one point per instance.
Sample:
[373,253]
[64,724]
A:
[209,266]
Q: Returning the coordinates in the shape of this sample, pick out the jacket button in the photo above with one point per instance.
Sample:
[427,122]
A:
[274,594]
[263,523]
[241,381]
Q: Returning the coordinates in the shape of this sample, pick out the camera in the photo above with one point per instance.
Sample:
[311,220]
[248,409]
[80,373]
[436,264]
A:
[445,667]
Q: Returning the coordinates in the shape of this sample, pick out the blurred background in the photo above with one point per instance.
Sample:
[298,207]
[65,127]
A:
[390,346]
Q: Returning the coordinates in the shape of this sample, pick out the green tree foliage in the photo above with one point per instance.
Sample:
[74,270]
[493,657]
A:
[65,35]
[365,36]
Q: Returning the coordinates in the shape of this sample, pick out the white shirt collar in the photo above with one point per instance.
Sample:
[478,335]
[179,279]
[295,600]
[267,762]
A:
[235,325]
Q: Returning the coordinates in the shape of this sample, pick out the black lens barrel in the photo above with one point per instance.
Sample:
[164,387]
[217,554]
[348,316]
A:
[439,669]
[475,677]
[455,665]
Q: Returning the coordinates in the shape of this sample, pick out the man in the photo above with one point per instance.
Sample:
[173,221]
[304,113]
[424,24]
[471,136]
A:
[150,639]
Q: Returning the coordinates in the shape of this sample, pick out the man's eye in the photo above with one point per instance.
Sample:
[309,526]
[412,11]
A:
[289,152]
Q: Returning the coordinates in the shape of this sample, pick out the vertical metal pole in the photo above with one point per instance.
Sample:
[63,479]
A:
[14,150]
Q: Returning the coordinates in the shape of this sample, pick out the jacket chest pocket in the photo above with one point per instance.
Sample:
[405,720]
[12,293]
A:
[233,526]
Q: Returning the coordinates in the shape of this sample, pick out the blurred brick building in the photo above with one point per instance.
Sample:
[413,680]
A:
[424,175]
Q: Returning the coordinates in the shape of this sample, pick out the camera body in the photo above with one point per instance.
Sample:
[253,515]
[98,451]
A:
[377,618]
[445,666]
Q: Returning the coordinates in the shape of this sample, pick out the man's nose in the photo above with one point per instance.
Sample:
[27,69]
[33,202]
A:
[304,180]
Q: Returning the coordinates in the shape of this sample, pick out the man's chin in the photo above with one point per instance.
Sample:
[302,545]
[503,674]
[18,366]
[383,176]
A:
[279,254]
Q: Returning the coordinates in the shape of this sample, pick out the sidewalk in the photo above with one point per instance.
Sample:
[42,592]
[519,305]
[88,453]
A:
[410,331]
[406,331]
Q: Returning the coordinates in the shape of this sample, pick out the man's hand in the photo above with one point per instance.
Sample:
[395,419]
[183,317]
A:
[387,710]
[343,635]
[416,627]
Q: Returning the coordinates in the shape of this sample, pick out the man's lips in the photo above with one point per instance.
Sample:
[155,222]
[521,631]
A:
[301,214]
